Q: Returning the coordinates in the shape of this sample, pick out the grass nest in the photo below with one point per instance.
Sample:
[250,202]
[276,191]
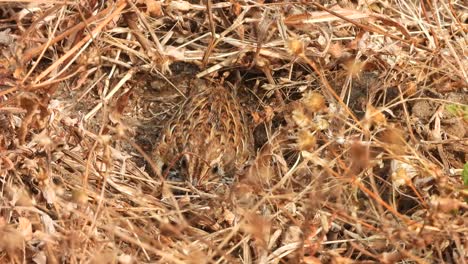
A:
[358,110]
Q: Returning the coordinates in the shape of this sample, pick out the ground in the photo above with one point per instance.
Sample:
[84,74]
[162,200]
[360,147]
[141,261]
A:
[358,109]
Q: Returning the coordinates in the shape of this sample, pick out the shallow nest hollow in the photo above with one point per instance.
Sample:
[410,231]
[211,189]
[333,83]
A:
[358,110]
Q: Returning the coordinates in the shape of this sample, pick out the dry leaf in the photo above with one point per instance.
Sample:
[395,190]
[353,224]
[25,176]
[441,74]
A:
[229,217]
[174,53]
[5,37]
[322,16]
[11,240]
[153,8]
[446,205]
[126,259]
[402,173]
[49,194]
[180,5]
[48,223]
[25,228]
[40,258]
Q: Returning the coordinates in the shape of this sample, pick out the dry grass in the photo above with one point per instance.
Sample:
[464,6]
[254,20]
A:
[359,112]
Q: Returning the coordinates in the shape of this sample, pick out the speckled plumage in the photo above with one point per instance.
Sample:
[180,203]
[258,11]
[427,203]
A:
[208,139]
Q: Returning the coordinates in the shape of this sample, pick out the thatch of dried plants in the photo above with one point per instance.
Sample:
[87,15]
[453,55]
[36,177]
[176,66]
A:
[358,109]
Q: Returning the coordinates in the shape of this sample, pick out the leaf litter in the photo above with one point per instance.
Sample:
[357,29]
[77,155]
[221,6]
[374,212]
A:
[358,110]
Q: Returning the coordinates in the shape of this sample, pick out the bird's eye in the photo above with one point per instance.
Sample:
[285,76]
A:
[183,162]
[215,169]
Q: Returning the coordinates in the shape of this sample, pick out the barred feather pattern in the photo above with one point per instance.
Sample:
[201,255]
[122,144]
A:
[207,140]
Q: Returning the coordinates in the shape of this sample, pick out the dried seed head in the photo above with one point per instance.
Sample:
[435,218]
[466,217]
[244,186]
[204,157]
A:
[296,47]
[314,102]
[306,140]
[394,139]
[375,116]
[301,118]
[355,67]
[336,50]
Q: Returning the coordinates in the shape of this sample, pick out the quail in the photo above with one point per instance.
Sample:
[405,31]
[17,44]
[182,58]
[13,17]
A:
[207,140]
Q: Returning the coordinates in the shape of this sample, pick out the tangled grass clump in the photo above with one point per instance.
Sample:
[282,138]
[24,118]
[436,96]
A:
[358,112]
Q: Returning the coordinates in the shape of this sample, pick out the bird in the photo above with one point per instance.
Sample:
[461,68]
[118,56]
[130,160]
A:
[207,140]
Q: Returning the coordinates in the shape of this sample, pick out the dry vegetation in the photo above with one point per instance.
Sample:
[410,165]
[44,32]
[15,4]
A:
[358,109]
